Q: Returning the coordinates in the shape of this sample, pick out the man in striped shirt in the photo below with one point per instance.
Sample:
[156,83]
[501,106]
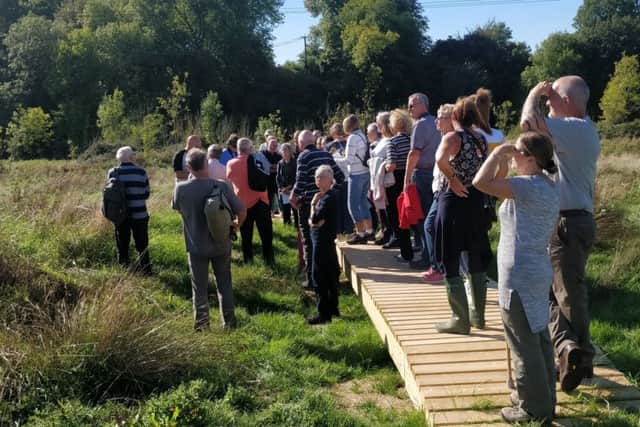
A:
[305,188]
[136,184]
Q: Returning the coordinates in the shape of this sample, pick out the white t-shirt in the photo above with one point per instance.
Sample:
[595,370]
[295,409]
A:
[494,140]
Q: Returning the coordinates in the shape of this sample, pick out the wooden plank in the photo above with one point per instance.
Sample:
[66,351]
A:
[489,389]
[460,357]
[454,376]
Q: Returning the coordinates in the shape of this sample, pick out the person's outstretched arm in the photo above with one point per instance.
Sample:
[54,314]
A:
[532,118]
[490,178]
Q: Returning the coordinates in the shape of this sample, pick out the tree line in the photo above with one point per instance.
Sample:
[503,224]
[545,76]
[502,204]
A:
[74,71]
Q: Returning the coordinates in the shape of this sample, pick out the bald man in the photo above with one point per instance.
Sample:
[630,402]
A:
[305,188]
[180,159]
[577,147]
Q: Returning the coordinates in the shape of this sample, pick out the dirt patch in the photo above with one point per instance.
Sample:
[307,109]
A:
[356,393]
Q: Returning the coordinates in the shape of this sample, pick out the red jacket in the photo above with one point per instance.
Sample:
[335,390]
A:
[409,207]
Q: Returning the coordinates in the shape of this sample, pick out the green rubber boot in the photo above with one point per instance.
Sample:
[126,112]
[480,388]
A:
[479,294]
[459,322]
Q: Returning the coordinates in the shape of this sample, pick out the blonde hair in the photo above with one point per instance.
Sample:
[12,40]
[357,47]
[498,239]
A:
[446,110]
[350,123]
[400,122]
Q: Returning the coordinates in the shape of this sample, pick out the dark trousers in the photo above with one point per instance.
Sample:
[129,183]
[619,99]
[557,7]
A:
[423,178]
[140,230]
[288,213]
[430,234]
[326,272]
[272,193]
[459,228]
[569,249]
[304,213]
[402,236]
[260,214]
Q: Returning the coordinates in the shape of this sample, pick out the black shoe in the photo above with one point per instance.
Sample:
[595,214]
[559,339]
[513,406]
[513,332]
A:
[382,240]
[571,371]
[401,260]
[318,320]
[370,237]
[357,239]
[391,244]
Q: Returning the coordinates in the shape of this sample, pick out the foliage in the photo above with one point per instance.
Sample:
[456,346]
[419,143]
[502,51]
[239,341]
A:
[621,99]
[271,122]
[558,55]
[175,105]
[506,115]
[153,131]
[112,118]
[210,115]
[487,57]
[30,134]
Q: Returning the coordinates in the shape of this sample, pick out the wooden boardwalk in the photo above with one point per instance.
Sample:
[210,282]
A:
[456,379]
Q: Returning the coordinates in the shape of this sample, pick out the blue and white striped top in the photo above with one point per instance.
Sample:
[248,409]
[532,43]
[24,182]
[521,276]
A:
[308,161]
[136,183]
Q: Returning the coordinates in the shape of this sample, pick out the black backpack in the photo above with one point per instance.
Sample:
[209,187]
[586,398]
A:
[114,199]
[258,178]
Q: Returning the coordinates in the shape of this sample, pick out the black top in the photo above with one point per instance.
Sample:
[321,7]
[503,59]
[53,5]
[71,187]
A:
[178,160]
[308,161]
[327,210]
[273,158]
[286,173]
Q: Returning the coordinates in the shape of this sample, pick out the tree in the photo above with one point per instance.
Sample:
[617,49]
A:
[30,134]
[31,47]
[558,55]
[175,105]
[112,118]
[210,114]
[621,100]
[487,56]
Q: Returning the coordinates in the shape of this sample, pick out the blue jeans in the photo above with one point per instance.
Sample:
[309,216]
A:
[430,234]
[423,178]
[358,201]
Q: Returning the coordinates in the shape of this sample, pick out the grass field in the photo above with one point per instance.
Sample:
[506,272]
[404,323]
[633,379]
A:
[83,343]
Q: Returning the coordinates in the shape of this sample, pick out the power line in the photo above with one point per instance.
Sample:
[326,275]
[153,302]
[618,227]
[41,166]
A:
[289,41]
[441,4]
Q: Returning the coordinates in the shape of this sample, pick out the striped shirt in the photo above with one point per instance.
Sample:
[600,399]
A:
[399,151]
[136,184]
[308,161]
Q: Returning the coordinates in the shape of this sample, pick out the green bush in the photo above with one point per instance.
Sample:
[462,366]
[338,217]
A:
[188,405]
[620,102]
[112,118]
[210,115]
[153,131]
[272,122]
[30,134]
[621,130]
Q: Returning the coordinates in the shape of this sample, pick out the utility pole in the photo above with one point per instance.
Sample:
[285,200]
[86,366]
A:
[305,52]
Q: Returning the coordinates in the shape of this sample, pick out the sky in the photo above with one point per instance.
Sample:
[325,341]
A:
[530,22]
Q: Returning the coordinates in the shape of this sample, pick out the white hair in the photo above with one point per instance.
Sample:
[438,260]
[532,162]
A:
[245,145]
[324,170]
[124,154]
[421,98]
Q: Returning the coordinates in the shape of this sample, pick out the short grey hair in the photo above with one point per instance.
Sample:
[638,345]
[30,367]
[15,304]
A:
[214,151]
[287,146]
[124,154]
[197,159]
[372,127]
[245,145]
[421,98]
[324,170]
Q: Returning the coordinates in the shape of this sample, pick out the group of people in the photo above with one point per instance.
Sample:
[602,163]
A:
[438,178]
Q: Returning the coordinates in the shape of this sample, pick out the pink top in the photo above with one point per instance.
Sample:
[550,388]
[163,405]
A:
[238,176]
[217,170]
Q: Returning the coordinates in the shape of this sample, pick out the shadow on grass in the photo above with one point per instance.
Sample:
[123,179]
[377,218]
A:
[357,354]
[617,311]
